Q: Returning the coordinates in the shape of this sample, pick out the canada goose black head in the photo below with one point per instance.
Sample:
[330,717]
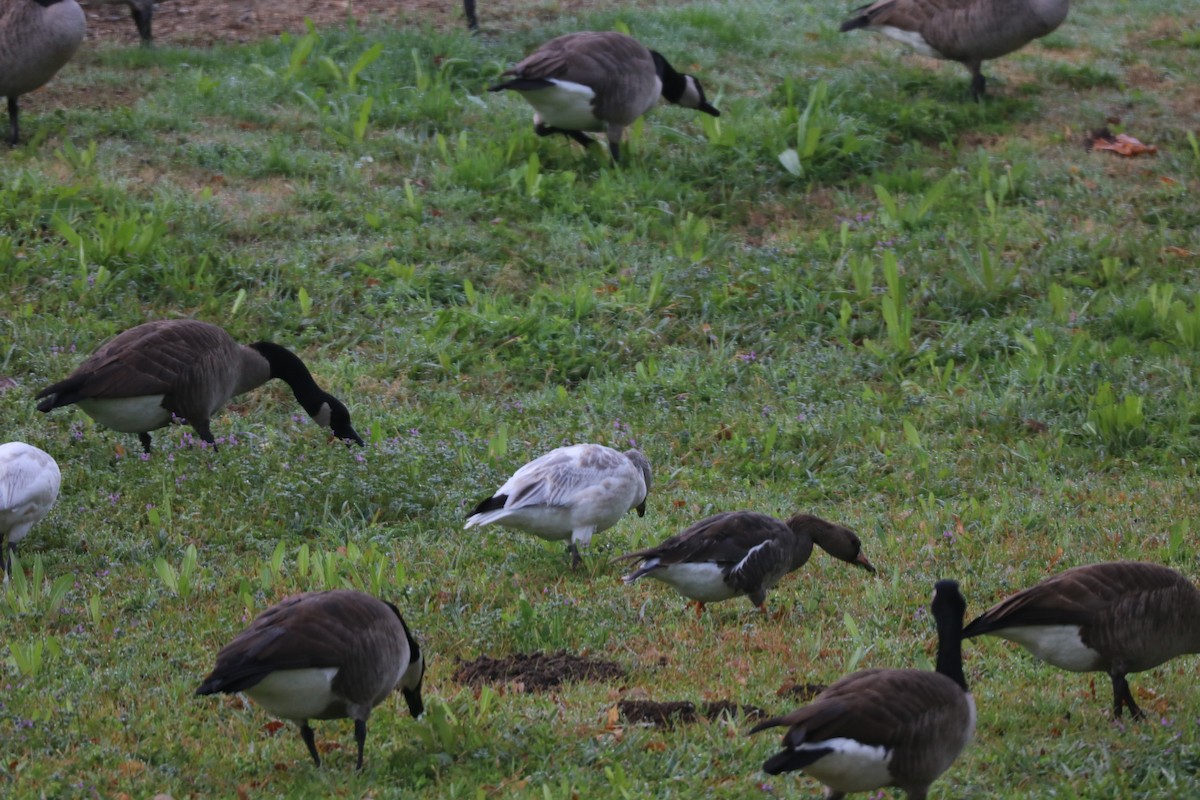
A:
[413,677]
[325,409]
[682,90]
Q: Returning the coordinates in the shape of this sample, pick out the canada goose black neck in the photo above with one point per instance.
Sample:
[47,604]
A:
[674,84]
[948,607]
[324,408]
[416,663]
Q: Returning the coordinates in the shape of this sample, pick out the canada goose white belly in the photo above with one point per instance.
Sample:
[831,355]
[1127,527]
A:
[704,582]
[1060,645]
[128,414]
[296,693]
[851,766]
[565,105]
[911,38]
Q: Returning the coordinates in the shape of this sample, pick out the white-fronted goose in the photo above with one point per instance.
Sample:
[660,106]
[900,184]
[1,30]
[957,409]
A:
[598,82]
[967,31]
[742,553]
[37,37]
[1119,617]
[323,655]
[29,483]
[184,368]
[886,727]
[572,492]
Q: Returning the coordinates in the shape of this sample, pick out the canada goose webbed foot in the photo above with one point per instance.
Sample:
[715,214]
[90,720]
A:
[144,438]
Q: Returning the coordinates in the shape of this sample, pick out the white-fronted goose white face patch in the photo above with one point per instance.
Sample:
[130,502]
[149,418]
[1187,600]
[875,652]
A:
[1060,645]
[566,105]
[296,693]
[127,414]
[851,766]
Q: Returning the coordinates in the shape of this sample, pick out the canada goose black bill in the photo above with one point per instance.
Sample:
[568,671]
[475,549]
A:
[1119,617]
[29,484]
[885,727]
[967,31]
[187,369]
[593,81]
[37,37]
[569,493]
[323,655]
[741,553]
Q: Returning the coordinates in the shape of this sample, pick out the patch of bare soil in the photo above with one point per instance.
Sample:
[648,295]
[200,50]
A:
[536,672]
[801,691]
[682,711]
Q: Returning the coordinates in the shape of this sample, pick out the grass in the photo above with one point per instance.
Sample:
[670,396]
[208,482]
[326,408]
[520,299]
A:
[943,324]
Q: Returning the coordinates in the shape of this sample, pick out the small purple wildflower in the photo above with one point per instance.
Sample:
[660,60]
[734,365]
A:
[748,358]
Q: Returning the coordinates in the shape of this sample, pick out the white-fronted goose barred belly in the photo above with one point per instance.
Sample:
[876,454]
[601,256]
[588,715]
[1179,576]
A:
[139,380]
[323,655]
[886,727]
[1119,617]
[598,82]
[967,31]
[29,484]
[37,37]
[742,553]
[572,492]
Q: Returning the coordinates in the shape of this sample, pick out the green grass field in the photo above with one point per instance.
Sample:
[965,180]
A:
[944,324]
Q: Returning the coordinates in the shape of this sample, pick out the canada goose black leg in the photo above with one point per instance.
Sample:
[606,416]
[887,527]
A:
[306,733]
[206,434]
[469,11]
[614,147]
[1123,697]
[144,438]
[360,737]
[14,129]
[573,552]
[142,19]
[978,85]
[6,557]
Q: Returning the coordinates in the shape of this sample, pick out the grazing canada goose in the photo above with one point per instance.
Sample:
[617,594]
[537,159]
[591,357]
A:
[598,82]
[967,31]
[572,492]
[741,553]
[29,483]
[1119,617]
[139,380]
[37,37]
[886,727]
[142,12]
[323,655]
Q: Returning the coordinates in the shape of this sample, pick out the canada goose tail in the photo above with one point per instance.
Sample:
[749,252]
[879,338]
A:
[63,393]
[645,569]
[862,17]
[791,760]
[522,85]
[493,503]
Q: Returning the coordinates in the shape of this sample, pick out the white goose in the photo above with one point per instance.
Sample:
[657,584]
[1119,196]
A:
[29,483]
[572,492]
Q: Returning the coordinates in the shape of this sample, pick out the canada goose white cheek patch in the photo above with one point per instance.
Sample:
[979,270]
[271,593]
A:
[295,693]
[128,414]
[911,38]
[1060,645]
[851,767]
[565,105]
[323,416]
[703,582]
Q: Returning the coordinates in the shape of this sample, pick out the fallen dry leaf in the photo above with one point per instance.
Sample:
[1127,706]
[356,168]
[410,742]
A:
[1121,144]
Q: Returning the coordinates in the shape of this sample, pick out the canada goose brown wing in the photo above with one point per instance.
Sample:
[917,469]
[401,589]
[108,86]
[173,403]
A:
[314,630]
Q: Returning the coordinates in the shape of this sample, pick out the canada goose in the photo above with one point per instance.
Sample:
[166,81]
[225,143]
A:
[323,655]
[741,553]
[142,12]
[572,492]
[1118,617]
[37,37]
[137,381]
[29,483]
[469,12]
[886,727]
[967,31]
[598,82]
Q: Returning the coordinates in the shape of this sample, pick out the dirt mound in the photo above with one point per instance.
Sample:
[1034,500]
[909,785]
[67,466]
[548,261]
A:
[667,714]
[801,691]
[536,672]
